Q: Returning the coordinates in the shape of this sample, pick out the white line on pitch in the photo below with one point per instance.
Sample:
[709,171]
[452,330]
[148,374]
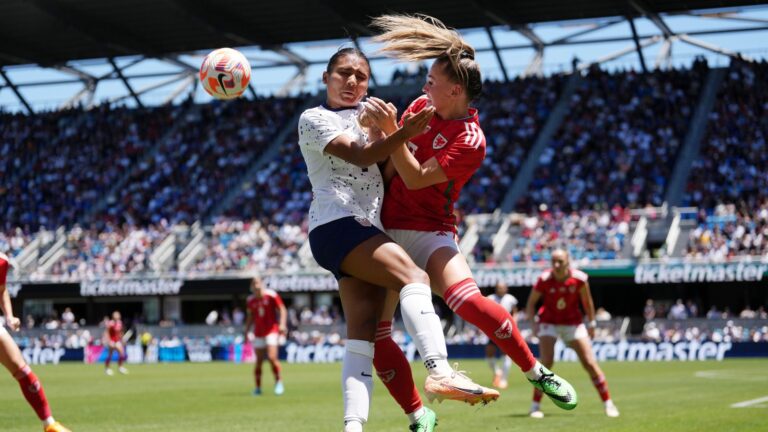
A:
[750,402]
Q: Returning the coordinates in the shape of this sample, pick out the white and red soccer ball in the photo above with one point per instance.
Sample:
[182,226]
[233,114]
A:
[225,73]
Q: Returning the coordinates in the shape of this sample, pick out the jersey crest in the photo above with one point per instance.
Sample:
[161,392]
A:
[439,142]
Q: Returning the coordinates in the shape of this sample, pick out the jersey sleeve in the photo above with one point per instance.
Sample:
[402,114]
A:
[465,155]
[539,285]
[316,131]
[278,300]
[3,271]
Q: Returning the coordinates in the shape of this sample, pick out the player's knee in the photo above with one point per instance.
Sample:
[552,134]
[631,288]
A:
[413,274]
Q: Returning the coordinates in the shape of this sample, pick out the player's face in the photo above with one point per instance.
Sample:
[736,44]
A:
[347,82]
[116,316]
[439,88]
[256,286]
[559,263]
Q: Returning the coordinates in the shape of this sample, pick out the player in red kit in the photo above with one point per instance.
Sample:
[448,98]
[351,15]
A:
[268,315]
[418,210]
[561,290]
[113,337]
[11,358]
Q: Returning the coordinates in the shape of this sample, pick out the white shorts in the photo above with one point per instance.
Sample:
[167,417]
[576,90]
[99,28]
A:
[272,339]
[420,245]
[565,332]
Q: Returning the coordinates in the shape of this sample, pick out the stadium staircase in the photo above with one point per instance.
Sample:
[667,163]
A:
[246,179]
[525,175]
[696,131]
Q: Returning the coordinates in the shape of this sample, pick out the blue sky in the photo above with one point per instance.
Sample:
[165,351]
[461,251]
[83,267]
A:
[267,81]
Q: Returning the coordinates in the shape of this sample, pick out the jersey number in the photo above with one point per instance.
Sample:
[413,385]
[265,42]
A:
[412,147]
[561,303]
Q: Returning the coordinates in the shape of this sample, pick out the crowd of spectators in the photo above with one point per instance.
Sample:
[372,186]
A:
[587,235]
[619,142]
[728,231]
[511,115]
[732,166]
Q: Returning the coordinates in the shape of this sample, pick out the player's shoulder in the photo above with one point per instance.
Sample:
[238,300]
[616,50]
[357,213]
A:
[546,276]
[271,293]
[579,275]
[418,104]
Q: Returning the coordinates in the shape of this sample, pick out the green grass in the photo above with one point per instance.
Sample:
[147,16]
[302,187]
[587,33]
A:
[216,397]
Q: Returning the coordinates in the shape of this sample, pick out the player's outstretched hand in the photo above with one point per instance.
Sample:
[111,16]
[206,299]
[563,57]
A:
[415,124]
[383,115]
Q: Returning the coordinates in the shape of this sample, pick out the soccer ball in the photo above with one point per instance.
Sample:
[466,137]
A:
[225,73]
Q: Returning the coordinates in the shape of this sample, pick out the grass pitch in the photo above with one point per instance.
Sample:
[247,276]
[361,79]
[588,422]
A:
[678,396]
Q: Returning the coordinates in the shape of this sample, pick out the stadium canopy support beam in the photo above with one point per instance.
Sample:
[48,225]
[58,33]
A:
[622,52]
[153,86]
[727,16]
[665,53]
[592,29]
[716,49]
[497,53]
[637,43]
[126,83]
[641,7]
[89,88]
[15,91]
[296,81]
[185,83]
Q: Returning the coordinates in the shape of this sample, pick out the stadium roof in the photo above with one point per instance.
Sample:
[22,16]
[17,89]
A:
[51,32]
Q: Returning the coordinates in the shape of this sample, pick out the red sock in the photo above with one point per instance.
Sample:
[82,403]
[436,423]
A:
[602,387]
[276,370]
[109,359]
[257,373]
[393,369]
[465,299]
[120,360]
[33,392]
[537,395]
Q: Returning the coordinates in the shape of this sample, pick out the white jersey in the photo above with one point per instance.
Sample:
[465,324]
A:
[507,301]
[339,189]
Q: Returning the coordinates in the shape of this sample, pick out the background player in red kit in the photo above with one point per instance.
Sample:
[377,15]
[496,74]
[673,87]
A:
[561,289]
[418,210]
[11,358]
[113,335]
[268,315]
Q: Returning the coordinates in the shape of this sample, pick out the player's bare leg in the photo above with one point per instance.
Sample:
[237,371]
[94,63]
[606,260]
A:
[121,358]
[275,364]
[547,358]
[261,354]
[110,351]
[587,358]
[31,388]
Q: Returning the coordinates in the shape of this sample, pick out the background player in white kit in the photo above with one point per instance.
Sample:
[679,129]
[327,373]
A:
[492,351]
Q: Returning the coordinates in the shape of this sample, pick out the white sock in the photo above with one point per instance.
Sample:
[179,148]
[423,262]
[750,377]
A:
[357,383]
[505,368]
[535,406]
[49,421]
[608,403]
[534,373]
[414,416]
[492,363]
[425,328]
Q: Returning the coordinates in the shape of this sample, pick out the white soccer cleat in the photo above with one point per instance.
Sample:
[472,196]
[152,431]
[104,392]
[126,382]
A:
[611,410]
[109,372]
[123,370]
[537,414]
[459,387]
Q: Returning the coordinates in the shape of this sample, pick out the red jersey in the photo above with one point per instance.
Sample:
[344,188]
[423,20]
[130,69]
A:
[115,330]
[264,312]
[3,269]
[561,299]
[459,147]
